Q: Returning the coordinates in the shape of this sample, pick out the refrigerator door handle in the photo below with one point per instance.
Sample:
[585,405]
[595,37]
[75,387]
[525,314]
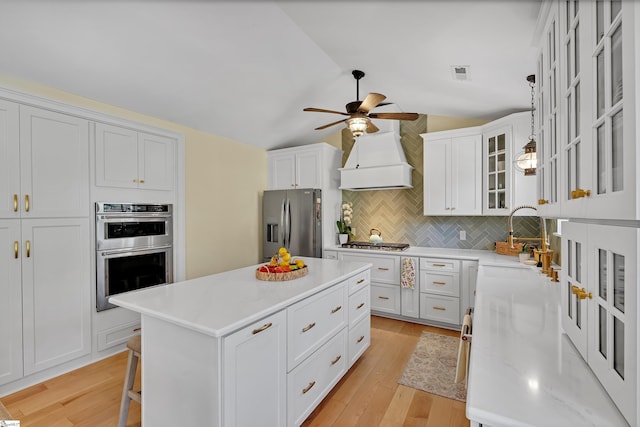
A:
[283,225]
[289,221]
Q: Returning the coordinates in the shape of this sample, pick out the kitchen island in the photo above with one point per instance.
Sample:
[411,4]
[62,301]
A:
[228,349]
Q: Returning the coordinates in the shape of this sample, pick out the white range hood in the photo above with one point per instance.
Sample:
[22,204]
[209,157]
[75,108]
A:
[376,162]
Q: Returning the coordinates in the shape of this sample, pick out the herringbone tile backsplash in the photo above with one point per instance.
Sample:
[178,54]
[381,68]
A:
[398,214]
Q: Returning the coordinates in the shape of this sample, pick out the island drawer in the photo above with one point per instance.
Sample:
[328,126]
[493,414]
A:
[359,281]
[359,306]
[386,268]
[385,298]
[440,308]
[359,339]
[310,382]
[440,283]
[313,320]
[440,264]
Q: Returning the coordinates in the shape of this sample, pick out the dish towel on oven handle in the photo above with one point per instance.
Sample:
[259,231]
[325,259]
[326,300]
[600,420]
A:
[408,275]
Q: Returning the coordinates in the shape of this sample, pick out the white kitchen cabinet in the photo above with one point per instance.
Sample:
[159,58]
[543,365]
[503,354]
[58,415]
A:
[440,290]
[468,284]
[255,374]
[301,167]
[10,301]
[410,297]
[56,300]
[126,158]
[504,186]
[45,163]
[453,172]
[385,298]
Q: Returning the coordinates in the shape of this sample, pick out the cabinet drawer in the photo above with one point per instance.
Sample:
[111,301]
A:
[385,298]
[359,306]
[386,268]
[440,308]
[440,283]
[440,264]
[118,335]
[313,320]
[359,281]
[310,382]
[359,339]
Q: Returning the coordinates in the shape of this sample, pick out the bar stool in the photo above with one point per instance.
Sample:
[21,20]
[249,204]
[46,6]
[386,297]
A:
[134,346]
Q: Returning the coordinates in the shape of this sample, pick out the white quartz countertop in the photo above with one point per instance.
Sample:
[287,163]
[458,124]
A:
[219,304]
[524,371]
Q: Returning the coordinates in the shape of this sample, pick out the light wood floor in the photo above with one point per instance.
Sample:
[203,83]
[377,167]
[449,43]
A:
[368,395]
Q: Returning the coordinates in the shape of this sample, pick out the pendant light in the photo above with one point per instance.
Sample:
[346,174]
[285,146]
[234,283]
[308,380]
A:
[527,161]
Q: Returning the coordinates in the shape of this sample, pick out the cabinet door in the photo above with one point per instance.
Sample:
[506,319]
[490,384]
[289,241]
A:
[466,175]
[574,279]
[255,374]
[613,318]
[116,156]
[410,298]
[155,162]
[9,160]
[437,177]
[308,169]
[55,292]
[54,164]
[282,171]
[10,302]
[497,175]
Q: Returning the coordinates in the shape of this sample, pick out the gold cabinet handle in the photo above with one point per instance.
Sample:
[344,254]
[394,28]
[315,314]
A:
[16,246]
[542,201]
[337,309]
[264,327]
[26,203]
[383,297]
[305,329]
[360,339]
[579,193]
[439,283]
[138,329]
[360,281]
[142,181]
[582,294]
[439,265]
[383,269]
[309,387]
[360,306]
[575,290]
[439,308]
[15,203]
[334,361]
[28,246]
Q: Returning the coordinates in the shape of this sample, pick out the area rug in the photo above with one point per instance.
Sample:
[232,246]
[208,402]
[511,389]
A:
[432,367]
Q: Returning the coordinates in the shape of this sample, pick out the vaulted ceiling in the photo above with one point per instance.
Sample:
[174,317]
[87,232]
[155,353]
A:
[246,69]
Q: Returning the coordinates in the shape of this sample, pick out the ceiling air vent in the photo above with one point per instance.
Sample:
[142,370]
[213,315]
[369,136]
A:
[460,72]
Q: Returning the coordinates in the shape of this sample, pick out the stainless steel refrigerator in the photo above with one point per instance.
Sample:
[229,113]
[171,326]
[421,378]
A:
[292,219]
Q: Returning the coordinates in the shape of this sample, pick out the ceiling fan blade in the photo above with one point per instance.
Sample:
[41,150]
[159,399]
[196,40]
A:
[371,101]
[371,128]
[321,110]
[394,116]
[330,124]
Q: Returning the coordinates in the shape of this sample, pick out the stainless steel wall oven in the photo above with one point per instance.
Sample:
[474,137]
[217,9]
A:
[134,248]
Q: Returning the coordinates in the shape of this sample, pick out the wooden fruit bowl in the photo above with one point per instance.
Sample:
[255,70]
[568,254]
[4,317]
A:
[280,277]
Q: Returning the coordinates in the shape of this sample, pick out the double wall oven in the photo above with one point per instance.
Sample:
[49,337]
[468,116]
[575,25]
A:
[134,248]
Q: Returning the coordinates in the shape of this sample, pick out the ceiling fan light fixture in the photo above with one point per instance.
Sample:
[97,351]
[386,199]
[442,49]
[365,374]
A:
[358,125]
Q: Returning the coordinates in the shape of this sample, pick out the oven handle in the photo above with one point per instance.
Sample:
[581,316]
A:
[132,217]
[133,250]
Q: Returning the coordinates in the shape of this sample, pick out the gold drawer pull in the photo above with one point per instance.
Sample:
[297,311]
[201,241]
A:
[383,269]
[439,265]
[267,326]
[337,309]
[137,329]
[360,281]
[142,181]
[308,327]
[16,246]
[360,339]
[439,283]
[15,203]
[309,387]
[383,297]
[542,201]
[357,308]
[439,308]
[135,180]
[28,246]
[26,203]
[334,361]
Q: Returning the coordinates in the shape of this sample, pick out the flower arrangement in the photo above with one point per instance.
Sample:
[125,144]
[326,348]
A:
[344,223]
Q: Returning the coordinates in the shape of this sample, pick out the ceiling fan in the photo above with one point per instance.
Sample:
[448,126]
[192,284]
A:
[359,120]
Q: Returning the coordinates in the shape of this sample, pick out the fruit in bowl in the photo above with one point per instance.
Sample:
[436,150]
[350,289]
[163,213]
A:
[282,263]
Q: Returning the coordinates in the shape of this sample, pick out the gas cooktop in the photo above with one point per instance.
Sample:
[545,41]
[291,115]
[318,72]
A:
[396,247]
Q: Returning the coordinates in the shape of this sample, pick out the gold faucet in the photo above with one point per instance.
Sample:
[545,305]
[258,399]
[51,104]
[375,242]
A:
[544,244]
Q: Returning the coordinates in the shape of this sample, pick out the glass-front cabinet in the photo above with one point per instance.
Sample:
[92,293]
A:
[497,171]
[574,283]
